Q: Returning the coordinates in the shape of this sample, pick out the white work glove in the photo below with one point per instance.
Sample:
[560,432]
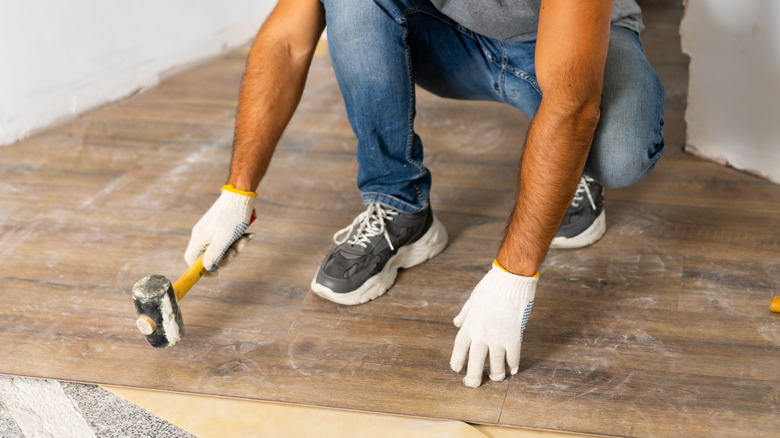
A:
[492,322]
[221,231]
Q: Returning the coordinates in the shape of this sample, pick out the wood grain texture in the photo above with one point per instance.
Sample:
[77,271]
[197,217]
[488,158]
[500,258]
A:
[659,329]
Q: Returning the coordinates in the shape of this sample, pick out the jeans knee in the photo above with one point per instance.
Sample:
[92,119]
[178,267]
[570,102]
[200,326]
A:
[626,160]
[629,139]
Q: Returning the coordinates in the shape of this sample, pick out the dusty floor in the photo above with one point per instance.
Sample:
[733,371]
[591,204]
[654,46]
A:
[660,329]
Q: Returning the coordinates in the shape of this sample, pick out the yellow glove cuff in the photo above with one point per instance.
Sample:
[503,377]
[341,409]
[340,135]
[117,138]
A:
[231,188]
[498,265]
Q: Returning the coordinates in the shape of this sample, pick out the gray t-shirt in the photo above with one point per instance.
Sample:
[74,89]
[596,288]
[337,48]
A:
[517,20]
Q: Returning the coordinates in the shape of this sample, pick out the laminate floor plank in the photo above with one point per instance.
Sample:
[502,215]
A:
[584,397]
[659,329]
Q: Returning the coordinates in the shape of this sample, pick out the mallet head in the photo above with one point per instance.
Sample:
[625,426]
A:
[159,316]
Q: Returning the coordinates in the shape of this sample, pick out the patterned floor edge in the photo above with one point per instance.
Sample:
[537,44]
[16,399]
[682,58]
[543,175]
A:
[31,408]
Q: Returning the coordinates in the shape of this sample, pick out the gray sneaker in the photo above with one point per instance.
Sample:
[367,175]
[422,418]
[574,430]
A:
[371,250]
[585,222]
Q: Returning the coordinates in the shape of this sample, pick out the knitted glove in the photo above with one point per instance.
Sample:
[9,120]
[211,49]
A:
[220,232]
[492,323]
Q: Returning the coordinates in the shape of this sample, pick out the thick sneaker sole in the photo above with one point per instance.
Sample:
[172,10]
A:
[586,238]
[429,245]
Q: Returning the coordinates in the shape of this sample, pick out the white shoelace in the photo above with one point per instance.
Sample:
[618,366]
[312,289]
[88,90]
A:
[370,223]
[582,191]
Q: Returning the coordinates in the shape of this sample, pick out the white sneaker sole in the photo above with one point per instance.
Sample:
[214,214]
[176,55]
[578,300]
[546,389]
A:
[426,247]
[588,237]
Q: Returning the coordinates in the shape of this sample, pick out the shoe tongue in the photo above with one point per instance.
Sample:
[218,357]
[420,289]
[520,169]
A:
[352,251]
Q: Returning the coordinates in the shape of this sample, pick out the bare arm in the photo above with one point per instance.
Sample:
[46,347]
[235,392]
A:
[571,52]
[272,86]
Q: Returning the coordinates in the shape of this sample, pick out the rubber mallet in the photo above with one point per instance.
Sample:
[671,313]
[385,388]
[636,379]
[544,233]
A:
[157,305]
[157,302]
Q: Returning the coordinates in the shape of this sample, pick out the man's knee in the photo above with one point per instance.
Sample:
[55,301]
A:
[629,139]
[624,155]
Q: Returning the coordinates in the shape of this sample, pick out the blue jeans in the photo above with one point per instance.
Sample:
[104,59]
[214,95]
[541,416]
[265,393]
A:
[380,49]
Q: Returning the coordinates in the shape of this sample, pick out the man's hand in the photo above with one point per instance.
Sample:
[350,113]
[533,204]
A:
[220,232]
[492,323]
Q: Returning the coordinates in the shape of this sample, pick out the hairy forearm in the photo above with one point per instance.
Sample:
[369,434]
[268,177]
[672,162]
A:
[272,86]
[554,157]
[571,51]
[270,91]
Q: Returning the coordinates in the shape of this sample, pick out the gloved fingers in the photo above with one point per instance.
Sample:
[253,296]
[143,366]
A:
[459,351]
[477,356]
[194,249]
[242,241]
[513,357]
[235,249]
[219,245]
[464,312]
[227,257]
[497,360]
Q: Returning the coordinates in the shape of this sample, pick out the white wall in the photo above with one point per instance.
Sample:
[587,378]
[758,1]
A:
[59,58]
[733,110]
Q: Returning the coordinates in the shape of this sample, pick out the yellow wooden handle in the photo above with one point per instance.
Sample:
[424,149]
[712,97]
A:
[189,278]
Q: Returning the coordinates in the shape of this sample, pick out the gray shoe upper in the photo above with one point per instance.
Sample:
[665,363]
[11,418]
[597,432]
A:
[586,206]
[368,243]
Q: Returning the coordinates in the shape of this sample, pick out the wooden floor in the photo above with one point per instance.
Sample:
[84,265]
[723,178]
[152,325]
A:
[660,329]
